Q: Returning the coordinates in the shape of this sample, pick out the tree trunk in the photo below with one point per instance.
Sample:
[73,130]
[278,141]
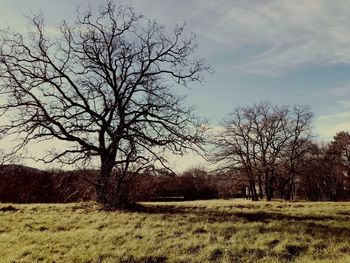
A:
[270,180]
[268,187]
[289,193]
[261,194]
[253,191]
[121,194]
[112,190]
[103,180]
[282,189]
[290,187]
[268,194]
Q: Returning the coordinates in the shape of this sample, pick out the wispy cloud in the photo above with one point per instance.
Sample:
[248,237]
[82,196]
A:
[287,34]
[274,36]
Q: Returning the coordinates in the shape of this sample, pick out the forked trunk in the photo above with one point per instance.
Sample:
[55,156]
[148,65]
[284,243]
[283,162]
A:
[112,189]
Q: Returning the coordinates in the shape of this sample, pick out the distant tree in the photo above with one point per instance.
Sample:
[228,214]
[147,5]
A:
[341,148]
[256,138]
[324,176]
[198,184]
[295,152]
[234,148]
[105,85]
[311,179]
[337,166]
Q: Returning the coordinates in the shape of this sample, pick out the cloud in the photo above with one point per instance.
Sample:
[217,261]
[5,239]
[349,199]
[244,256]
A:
[328,125]
[344,103]
[187,161]
[277,35]
[339,92]
[264,37]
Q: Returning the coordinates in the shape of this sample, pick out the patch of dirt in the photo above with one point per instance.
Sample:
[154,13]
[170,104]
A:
[194,249]
[344,213]
[273,243]
[345,250]
[291,252]
[42,228]
[259,253]
[61,228]
[131,259]
[199,231]
[8,208]
[216,255]
[178,233]
[246,206]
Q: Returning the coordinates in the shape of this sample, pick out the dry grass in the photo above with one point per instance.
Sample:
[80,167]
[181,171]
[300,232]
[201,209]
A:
[200,231]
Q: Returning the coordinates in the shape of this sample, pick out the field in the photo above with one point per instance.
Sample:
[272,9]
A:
[199,231]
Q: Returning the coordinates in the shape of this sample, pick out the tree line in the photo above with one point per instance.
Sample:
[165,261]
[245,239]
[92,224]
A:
[21,184]
[107,86]
[273,150]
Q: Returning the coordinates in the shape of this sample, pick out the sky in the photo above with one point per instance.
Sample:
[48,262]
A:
[282,51]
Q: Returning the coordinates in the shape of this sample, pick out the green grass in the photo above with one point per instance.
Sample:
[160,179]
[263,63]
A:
[199,231]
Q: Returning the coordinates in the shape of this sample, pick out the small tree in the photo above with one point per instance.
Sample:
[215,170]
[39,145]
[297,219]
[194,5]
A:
[105,85]
[340,146]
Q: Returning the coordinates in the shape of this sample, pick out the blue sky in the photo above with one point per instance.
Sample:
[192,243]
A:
[286,52]
[282,51]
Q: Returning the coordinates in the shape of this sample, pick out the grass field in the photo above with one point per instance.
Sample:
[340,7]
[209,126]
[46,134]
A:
[199,231]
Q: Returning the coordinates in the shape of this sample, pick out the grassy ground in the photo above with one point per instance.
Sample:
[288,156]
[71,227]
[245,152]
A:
[200,231]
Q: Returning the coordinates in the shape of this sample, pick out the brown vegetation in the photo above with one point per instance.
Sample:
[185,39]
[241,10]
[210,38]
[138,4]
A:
[319,180]
[21,184]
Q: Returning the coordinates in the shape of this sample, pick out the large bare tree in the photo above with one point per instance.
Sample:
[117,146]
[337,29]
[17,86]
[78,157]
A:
[105,84]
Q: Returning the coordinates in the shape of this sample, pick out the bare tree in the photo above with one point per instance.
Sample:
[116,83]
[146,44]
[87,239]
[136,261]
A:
[254,140]
[235,150]
[297,148]
[270,135]
[105,85]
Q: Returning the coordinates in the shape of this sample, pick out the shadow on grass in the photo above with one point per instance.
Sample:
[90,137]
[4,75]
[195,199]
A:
[327,228]
[312,225]
[250,216]
[8,208]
